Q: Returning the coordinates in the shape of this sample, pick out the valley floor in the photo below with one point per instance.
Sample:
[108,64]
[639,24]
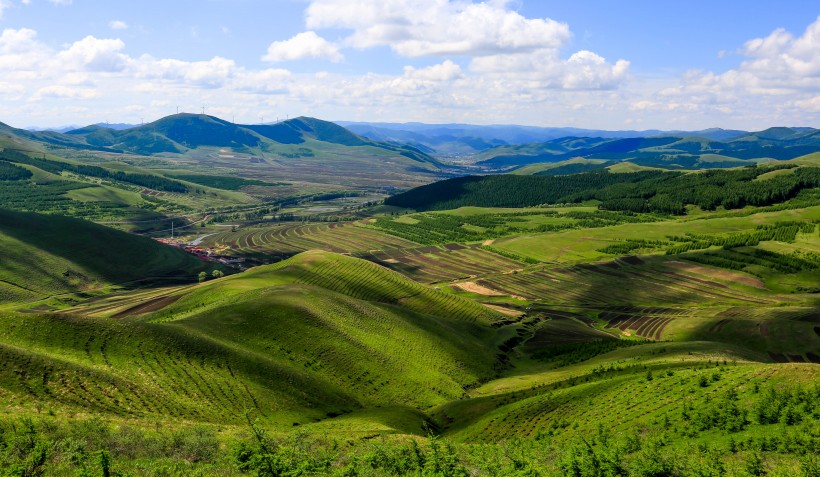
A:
[538,342]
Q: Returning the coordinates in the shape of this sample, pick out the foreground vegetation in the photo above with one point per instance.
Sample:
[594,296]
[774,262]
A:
[643,324]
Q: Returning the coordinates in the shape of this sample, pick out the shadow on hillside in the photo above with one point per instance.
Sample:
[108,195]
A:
[785,335]
[757,320]
[104,252]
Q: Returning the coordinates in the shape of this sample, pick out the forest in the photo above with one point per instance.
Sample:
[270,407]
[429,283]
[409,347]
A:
[647,191]
[56,167]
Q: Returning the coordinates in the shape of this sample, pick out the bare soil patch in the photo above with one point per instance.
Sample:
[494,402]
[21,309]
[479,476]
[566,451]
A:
[474,287]
[504,310]
[149,306]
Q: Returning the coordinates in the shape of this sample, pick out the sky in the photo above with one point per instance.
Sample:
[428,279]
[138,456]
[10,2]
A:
[598,64]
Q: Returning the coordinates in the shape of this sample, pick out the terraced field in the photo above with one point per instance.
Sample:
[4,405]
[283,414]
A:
[284,240]
[448,262]
[427,264]
[648,281]
[387,336]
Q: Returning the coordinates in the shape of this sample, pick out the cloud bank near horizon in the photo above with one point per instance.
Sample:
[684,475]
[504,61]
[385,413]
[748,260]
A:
[474,62]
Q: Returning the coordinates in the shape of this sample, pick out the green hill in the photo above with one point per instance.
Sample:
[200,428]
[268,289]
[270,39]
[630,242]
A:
[315,336]
[47,255]
[183,132]
[297,130]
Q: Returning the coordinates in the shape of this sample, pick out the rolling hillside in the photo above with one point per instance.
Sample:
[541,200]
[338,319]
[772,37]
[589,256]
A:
[46,256]
[313,337]
[541,354]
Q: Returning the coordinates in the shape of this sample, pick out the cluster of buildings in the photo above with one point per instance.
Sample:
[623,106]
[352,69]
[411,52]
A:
[203,254]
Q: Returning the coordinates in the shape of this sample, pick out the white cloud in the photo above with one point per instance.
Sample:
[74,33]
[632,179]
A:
[213,73]
[416,28]
[4,4]
[62,2]
[779,78]
[546,69]
[117,25]
[809,104]
[21,52]
[493,77]
[587,70]
[11,91]
[93,54]
[15,41]
[500,41]
[64,92]
[446,71]
[304,45]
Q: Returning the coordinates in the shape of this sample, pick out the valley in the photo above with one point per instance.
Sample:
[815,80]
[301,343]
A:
[593,313]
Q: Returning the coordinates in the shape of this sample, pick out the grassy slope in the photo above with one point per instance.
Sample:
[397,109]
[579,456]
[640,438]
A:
[317,335]
[545,166]
[613,392]
[44,255]
[582,245]
[323,335]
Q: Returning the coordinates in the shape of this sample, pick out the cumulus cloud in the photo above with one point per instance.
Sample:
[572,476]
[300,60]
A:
[516,69]
[416,28]
[498,40]
[778,64]
[446,71]
[16,41]
[583,70]
[213,73]
[304,45]
[779,77]
[11,91]
[64,92]
[780,59]
[118,25]
[93,54]
[20,52]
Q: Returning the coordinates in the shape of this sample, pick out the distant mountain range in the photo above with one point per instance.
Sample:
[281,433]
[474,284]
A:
[451,139]
[417,147]
[667,151]
[181,133]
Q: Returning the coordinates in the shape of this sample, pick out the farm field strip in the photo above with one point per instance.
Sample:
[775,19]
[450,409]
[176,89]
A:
[427,264]
[447,265]
[588,284]
[115,303]
[291,238]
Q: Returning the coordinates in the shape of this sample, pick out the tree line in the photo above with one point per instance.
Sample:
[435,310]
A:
[56,167]
[10,172]
[646,191]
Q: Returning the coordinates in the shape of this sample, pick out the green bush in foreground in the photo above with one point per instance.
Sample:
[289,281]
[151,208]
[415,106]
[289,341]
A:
[47,446]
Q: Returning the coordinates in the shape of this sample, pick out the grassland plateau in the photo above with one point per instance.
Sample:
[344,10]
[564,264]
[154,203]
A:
[585,322]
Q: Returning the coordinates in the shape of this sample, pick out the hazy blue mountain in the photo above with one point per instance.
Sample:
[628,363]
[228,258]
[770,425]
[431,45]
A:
[468,139]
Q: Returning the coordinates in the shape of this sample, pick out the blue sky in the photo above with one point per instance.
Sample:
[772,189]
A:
[594,63]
